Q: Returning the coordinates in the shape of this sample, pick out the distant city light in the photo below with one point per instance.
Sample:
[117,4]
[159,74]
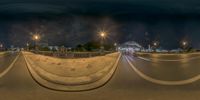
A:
[27,44]
[115,44]
[1,45]
[155,44]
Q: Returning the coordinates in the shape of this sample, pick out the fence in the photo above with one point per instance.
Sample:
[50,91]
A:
[72,54]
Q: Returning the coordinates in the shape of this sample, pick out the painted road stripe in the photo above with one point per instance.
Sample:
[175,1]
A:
[162,82]
[166,60]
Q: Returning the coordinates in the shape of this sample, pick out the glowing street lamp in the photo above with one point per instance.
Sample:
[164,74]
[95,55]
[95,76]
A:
[184,44]
[27,44]
[155,44]
[103,36]
[1,45]
[36,37]
[115,44]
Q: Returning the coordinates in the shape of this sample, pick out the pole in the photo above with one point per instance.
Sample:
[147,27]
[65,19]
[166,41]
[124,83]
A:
[102,45]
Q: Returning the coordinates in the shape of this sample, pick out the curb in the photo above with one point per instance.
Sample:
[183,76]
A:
[69,88]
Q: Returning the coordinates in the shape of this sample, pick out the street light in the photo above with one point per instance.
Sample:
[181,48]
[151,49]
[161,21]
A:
[102,35]
[1,45]
[115,45]
[155,45]
[184,44]
[36,37]
[27,44]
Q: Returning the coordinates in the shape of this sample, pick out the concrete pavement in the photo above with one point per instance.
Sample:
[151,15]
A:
[73,83]
[125,85]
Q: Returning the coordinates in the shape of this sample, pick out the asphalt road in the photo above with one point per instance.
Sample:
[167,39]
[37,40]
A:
[126,84]
[158,56]
[6,59]
[169,70]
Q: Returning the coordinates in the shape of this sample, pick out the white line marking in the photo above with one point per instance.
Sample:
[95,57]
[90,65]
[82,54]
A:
[161,82]
[146,59]
[166,60]
[9,67]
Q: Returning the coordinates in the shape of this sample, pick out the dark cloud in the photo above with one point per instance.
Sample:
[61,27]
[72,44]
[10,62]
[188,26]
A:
[101,6]
[72,22]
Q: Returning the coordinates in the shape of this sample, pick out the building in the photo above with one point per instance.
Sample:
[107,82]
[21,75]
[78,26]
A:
[130,46]
[53,48]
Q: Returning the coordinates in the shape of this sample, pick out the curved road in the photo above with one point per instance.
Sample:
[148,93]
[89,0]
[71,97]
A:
[18,84]
[6,59]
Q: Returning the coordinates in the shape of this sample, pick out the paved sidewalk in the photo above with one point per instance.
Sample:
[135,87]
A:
[73,72]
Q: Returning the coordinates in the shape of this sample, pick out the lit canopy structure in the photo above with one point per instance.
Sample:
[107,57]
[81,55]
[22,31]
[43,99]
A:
[130,46]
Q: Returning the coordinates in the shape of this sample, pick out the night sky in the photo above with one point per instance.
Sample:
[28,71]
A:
[72,22]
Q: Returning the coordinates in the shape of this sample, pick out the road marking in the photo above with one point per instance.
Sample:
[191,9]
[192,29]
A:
[9,67]
[166,60]
[146,59]
[162,82]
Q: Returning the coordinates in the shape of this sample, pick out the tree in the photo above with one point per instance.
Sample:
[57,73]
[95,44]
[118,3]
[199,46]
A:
[80,47]
[91,46]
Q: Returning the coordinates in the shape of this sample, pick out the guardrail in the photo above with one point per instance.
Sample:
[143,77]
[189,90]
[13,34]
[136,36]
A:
[72,54]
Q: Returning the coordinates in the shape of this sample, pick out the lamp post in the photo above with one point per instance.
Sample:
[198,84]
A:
[36,38]
[155,45]
[27,45]
[1,46]
[115,45]
[184,44]
[102,35]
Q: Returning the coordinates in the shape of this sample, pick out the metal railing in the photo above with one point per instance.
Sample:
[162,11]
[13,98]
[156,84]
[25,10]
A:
[72,54]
